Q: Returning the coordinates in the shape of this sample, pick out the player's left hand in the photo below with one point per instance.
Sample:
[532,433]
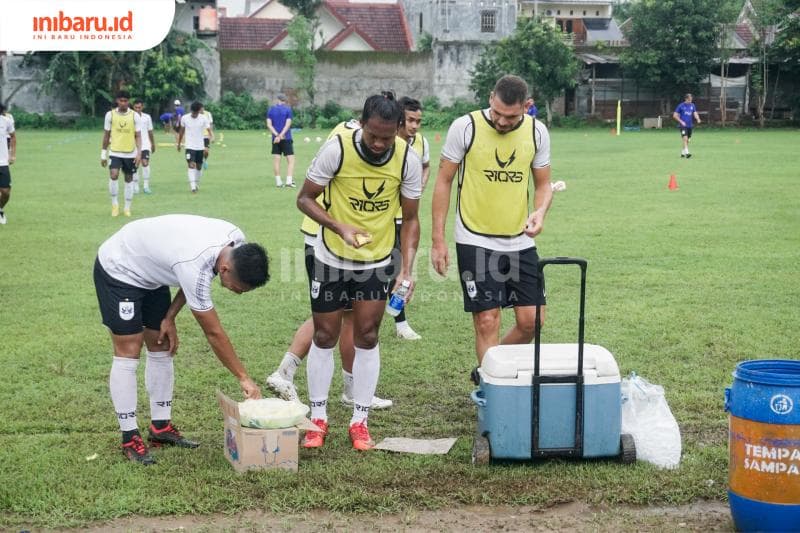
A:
[534,224]
[137,160]
[250,389]
[170,332]
[399,281]
[153,148]
[11,159]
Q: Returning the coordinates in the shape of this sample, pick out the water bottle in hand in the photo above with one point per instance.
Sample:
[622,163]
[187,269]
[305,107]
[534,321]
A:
[397,301]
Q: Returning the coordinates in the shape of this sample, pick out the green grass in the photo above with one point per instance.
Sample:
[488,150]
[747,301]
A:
[682,285]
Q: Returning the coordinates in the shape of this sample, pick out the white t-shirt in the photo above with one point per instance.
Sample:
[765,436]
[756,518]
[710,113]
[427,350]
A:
[170,250]
[206,133]
[455,146]
[137,124]
[193,130]
[321,171]
[146,128]
[6,129]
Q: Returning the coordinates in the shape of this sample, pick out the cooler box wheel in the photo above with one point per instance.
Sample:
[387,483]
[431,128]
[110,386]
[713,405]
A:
[627,454]
[481,451]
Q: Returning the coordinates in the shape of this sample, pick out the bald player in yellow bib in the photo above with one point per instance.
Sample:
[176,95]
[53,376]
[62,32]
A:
[494,152]
[363,176]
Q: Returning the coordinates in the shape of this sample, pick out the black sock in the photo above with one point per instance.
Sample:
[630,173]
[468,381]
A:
[401,317]
[160,424]
[128,435]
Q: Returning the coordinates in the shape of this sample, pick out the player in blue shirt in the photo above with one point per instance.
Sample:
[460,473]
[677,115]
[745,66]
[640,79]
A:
[530,108]
[685,114]
[279,122]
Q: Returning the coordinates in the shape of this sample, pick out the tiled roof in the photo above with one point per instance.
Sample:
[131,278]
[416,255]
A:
[245,33]
[382,25]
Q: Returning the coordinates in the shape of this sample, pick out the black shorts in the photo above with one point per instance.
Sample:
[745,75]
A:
[285,147]
[332,289]
[206,142]
[309,251]
[126,309]
[146,155]
[686,132]
[126,164]
[194,156]
[492,279]
[5,178]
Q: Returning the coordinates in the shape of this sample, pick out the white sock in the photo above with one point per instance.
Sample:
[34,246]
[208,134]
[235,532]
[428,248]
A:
[128,194]
[199,174]
[289,180]
[136,181]
[146,176]
[192,179]
[159,377]
[289,365]
[347,381]
[319,370]
[278,181]
[401,325]
[122,384]
[113,190]
[366,370]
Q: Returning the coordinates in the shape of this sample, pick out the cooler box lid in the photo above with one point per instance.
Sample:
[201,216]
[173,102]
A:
[508,361]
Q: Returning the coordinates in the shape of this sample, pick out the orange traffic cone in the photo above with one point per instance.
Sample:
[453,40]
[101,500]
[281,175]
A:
[673,183]
[438,137]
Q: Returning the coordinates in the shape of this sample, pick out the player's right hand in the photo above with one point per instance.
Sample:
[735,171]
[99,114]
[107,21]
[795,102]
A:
[440,257]
[348,234]
[103,163]
[250,389]
[169,331]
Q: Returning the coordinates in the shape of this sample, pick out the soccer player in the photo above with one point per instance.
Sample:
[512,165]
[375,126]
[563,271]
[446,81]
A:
[176,117]
[166,121]
[8,154]
[122,133]
[193,125]
[279,123]
[208,138]
[364,177]
[133,272]
[148,146]
[685,113]
[494,151]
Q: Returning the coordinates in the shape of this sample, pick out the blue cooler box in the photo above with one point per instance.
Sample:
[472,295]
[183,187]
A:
[504,401]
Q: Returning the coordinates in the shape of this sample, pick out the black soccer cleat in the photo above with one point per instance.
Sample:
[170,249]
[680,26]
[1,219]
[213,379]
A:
[135,450]
[169,436]
[475,376]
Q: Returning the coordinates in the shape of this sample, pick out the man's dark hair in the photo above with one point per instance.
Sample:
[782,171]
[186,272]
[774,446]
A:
[251,264]
[124,94]
[511,90]
[196,107]
[138,101]
[384,106]
[2,108]
[410,104]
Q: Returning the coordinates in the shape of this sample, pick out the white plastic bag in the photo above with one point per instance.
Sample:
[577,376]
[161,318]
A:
[646,416]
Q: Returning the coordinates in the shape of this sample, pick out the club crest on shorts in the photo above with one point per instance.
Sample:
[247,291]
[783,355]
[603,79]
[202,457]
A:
[315,289]
[126,310]
[472,289]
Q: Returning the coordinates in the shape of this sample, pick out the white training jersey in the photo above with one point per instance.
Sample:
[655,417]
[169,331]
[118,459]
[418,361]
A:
[207,113]
[137,124]
[327,163]
[193,130]
[6,129]
[146,128]
[458,140]
[170,250]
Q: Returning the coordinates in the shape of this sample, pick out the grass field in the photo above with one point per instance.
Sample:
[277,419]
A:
[682,285]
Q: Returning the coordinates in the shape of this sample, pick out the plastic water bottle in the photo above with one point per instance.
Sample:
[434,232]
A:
[397,301]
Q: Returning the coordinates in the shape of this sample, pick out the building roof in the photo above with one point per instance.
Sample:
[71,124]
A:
[383,26]
[245,33]
[602,30]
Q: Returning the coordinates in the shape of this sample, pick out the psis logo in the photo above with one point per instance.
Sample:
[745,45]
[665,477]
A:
[85,25]
[126,310]
[781,404]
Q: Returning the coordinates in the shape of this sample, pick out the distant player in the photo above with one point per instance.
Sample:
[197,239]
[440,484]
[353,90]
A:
[685,114]
[176,117]
[133,273]
[148,147]
[166,121]
[192,126]
[8,154]
[208,137]
[122,133]
[279,123]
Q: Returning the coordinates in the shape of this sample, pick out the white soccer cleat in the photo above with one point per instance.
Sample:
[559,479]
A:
[408,334]
[281,386]
[377,403]
[3,218]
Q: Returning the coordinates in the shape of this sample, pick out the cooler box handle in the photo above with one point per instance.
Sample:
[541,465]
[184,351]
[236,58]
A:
[477,398]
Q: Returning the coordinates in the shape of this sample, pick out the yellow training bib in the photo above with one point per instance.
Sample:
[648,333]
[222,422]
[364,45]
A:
[417,146]
[364,195]
[123,132]
[493,184]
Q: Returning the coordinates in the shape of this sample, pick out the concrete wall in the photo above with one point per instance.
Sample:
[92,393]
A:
[21,86]
[210,61]
[452,63]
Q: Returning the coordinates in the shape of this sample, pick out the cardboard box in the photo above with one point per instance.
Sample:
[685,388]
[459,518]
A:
[259,449]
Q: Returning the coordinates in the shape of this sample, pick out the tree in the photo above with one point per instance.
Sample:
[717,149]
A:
[306,8]
[672,45]
[537,53]
[301,55]
[727,22]
[785,54]
[763,16]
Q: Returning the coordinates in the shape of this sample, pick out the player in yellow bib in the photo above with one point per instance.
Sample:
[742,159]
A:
[121,133]
[495,152]
[363,177]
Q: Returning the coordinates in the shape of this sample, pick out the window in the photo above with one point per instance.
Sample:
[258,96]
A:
[196,23]
[570,12]
[420,22]
[597,13]
[488,21]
